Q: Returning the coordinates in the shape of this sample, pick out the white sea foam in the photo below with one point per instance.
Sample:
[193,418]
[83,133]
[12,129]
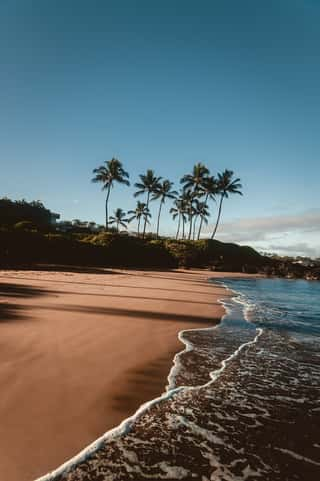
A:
[298,456]
[215,374]
[124,427]
[118,431]
[176,360]
[203,433]
[247,306]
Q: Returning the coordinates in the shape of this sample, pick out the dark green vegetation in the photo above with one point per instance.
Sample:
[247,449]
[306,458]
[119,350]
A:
[21,248]
[25,247]
[190,205]
[31,214]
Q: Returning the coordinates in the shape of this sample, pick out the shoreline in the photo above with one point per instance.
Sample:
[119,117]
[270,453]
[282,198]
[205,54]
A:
[125,426]
[179,300]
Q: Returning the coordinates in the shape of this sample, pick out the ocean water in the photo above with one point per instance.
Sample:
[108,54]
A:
[242,401]
[286,305]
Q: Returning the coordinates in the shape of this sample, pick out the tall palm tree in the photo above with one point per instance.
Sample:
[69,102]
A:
[226,185]
[141,211]
[119,218]
[184,218]
[195,180]
[203,213]
[179,210]
[195,216]
[148,184]
[200,211]
[189,197]
[209,187]
[108,174]
[163,191]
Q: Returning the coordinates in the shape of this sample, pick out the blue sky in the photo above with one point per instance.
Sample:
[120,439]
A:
[164,85]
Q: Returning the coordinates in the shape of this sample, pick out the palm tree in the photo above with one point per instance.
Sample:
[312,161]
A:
[141,211]
[149,184]
[108,174]
[189,197]
[184,218]
[163,191]
[202,212]
[178,210]
[226,185]
[195,215]
[194,181]
[209,187]
[119,218]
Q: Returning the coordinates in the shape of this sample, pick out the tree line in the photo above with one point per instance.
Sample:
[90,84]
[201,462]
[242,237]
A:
[191,205]
[12,212]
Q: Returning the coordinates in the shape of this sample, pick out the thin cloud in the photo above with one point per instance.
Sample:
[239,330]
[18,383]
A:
[299,248]
[283,234]
[268,228]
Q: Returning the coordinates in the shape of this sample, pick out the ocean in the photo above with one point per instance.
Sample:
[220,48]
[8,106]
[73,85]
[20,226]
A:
[242,401]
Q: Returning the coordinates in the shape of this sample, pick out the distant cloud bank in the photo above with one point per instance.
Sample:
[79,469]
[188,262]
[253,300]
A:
[297,234]
[301,248]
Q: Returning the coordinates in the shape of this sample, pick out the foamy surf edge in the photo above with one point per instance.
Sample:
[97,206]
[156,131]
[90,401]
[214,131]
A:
[124,427]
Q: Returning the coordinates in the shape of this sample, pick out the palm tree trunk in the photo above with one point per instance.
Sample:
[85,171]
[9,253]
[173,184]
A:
[139,226]
[145,220]
[178,229]
[201,220]
[107,200]
[183,221]
[158,222]
[194,227]
[218,218]
[190,228]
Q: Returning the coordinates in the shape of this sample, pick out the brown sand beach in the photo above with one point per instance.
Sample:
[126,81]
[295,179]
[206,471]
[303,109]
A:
[81,351]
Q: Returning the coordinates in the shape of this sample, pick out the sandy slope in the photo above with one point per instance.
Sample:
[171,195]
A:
[80,351]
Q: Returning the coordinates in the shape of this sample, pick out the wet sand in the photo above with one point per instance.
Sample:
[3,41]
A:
[80,351]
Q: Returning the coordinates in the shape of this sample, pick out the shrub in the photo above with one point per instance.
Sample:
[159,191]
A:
[25,225]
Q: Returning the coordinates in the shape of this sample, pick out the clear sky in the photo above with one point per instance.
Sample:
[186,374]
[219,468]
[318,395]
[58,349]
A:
[164,84]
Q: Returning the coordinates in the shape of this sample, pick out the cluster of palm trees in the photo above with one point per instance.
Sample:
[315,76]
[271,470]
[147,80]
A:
[190,205]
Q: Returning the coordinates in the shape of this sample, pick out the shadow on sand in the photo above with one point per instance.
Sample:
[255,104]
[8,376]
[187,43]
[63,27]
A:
[124,286]
[134,313]
[63,268]
[9,310]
